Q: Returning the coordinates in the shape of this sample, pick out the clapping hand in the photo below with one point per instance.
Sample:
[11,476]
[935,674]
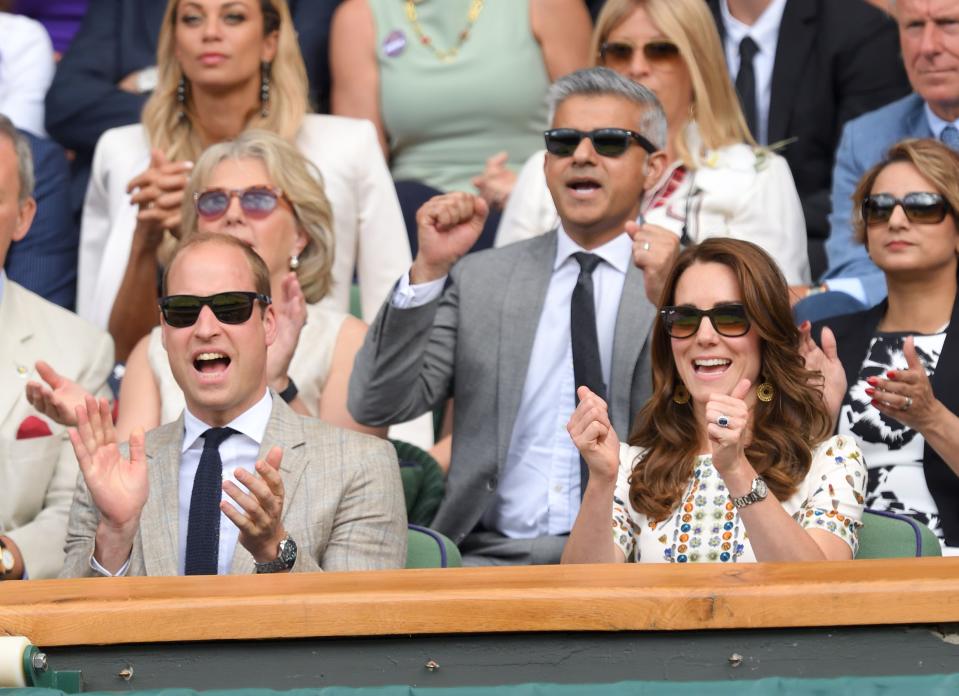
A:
[728,442]
[447,227]
[117,485]
[58,398]
[826,361]
[655,249]
[261,530]
[497,181]
[594,437]
[158,192]
[290,308]
[906,395]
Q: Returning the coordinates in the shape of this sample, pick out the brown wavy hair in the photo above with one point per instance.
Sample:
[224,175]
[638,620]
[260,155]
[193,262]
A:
[289,101]
[784,430]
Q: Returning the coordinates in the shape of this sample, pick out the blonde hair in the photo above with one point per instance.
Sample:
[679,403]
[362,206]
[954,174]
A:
[689,24]
[302,185]
[175,135]
[933,160]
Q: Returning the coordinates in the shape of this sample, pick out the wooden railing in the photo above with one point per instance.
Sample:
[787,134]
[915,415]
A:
[482,600]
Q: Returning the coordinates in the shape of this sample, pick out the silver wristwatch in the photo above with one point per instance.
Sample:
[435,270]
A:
[7,560]
[285,558]
[758,492]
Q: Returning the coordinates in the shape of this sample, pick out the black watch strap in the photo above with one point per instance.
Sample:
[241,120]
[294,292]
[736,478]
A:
[290,392]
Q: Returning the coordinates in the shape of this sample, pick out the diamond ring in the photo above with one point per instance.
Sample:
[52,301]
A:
[908,404]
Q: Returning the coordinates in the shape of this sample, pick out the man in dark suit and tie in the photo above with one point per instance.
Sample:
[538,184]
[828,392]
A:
[239,483]
[509,333]
[811,65]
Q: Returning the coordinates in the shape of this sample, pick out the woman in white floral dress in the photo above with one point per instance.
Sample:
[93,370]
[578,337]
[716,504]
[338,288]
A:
[731,458]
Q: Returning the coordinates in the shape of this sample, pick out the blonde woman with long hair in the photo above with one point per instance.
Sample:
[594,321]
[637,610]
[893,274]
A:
[224,67]
[719,183]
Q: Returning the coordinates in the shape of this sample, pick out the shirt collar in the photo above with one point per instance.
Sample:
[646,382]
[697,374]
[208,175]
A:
[617,252]
[936,124]
[764,31]
[251,423]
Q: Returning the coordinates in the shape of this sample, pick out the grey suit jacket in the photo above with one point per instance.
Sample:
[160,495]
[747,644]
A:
[474,344]
[37,475]
[343,501]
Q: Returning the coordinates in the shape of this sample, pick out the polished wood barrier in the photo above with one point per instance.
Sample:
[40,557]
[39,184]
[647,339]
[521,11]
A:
[482,600]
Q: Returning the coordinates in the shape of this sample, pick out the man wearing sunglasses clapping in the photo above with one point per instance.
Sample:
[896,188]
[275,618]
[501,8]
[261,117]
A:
[510,333]
[239,483]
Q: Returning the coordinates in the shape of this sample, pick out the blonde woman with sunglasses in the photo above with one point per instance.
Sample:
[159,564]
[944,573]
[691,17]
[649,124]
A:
[719,182]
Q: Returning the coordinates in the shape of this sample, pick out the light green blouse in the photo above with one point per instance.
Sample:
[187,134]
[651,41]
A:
[443,119]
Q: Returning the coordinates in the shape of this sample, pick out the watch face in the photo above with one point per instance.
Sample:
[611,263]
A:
[7,560]
[762,490]
[288,552]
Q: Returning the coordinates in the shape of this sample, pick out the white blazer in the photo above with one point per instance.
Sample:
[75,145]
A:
[367,221]
[736,192]
[38,475]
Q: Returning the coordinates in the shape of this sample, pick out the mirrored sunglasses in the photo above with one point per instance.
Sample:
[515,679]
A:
[920,206]
[256,201]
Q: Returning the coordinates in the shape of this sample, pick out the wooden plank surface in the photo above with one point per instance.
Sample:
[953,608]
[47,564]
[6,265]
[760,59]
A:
[482,600]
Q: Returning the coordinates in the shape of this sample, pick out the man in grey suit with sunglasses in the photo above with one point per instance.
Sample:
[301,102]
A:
[510,333]
[239,483]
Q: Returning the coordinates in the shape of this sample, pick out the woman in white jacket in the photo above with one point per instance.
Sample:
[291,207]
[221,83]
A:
[222,69]
[719,183]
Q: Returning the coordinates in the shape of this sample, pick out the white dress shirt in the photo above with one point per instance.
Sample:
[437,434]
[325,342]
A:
[539,488]
[765,32]
[238,451]
[26,71]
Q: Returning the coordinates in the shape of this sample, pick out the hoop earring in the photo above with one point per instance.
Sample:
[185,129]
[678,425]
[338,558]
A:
[680,394]
[765,392]
[181,98]
[294,262]
[264,89]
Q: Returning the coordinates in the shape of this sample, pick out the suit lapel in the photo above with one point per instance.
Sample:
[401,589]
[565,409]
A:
[916,125]
[283,430]
[522,306]
[797,32]
[16,364]
[633,322]
[160,521]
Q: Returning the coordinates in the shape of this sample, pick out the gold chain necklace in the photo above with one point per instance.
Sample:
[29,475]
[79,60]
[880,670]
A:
[447,55]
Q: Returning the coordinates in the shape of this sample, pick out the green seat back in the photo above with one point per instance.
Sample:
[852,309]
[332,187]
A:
[888,535]
[426,548]
[423,482]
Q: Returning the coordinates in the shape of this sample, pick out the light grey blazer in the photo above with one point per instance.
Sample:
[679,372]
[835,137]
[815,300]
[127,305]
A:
[343,501]
[474,344]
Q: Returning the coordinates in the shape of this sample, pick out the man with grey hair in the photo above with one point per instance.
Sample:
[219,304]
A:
[37,468]
[511,333]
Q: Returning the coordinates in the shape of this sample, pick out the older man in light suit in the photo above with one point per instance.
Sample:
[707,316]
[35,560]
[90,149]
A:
[239,482]
[37,466]
[930,51]
[509,333]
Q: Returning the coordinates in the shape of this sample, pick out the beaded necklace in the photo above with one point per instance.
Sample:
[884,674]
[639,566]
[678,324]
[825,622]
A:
[445,55]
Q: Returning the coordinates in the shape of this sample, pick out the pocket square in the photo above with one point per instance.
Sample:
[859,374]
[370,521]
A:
[33,427]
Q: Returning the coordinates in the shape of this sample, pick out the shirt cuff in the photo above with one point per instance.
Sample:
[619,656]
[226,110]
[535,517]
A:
[850,286]
[99,569]
[408,296]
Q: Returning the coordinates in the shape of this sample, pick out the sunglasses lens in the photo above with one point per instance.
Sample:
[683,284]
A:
[922,207]
[181,310]
[232,307]
[615,54]
[258,202]
[610,142]
[682,322]
[212,204]
[660,50]
[562,141]
[878,208]
[730,321]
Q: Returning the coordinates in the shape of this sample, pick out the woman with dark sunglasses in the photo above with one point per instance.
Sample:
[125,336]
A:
[720,183]
[731,459]
[223,68]
[894,368]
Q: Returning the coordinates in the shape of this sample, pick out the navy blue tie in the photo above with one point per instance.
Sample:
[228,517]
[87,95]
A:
[587,367]
[203,531]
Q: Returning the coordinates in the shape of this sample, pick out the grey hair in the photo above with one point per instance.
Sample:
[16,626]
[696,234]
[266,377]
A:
[605,82]
[24,159]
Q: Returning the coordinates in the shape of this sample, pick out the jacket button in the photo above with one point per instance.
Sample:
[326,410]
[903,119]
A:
[492,483]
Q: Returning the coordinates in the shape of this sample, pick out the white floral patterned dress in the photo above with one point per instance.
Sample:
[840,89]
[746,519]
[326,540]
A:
[706,527]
